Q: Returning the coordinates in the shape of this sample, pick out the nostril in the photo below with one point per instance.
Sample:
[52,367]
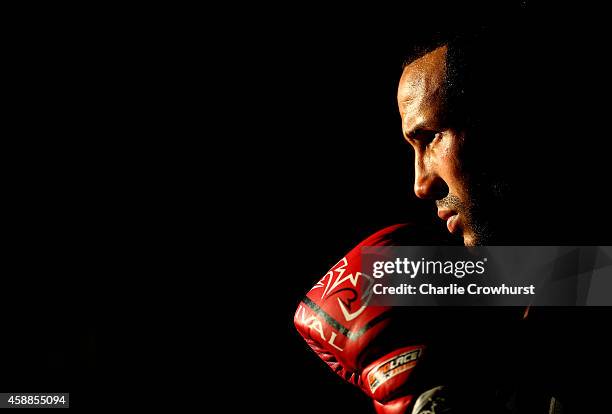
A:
[440,189]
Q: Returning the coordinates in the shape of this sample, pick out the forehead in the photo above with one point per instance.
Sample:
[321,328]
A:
[423,79]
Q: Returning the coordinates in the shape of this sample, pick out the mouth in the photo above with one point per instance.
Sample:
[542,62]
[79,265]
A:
[452,219]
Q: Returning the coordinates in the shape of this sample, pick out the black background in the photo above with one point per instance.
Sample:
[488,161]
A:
[148,146]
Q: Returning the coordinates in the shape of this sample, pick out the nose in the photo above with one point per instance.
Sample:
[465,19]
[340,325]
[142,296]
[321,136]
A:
[427,183]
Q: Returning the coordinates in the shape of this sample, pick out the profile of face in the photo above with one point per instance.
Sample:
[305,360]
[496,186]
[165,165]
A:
[442,149]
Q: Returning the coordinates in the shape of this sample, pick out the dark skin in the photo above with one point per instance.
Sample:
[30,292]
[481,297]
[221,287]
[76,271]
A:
[439,147]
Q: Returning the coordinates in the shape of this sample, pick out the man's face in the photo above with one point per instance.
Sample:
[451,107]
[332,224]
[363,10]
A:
[441,172]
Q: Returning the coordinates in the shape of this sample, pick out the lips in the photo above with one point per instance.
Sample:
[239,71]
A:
[452,219]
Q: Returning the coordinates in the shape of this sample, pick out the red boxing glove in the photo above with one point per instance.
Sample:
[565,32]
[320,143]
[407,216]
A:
[358,341]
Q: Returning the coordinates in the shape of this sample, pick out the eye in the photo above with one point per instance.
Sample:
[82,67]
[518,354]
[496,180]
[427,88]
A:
[425,137]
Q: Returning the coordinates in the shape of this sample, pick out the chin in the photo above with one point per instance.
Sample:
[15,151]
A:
[470,241]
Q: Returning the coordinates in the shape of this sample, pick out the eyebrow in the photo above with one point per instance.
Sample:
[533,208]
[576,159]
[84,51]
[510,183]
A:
[412,131]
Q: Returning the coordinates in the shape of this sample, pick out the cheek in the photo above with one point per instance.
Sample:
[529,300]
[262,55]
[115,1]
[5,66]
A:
[450,168]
